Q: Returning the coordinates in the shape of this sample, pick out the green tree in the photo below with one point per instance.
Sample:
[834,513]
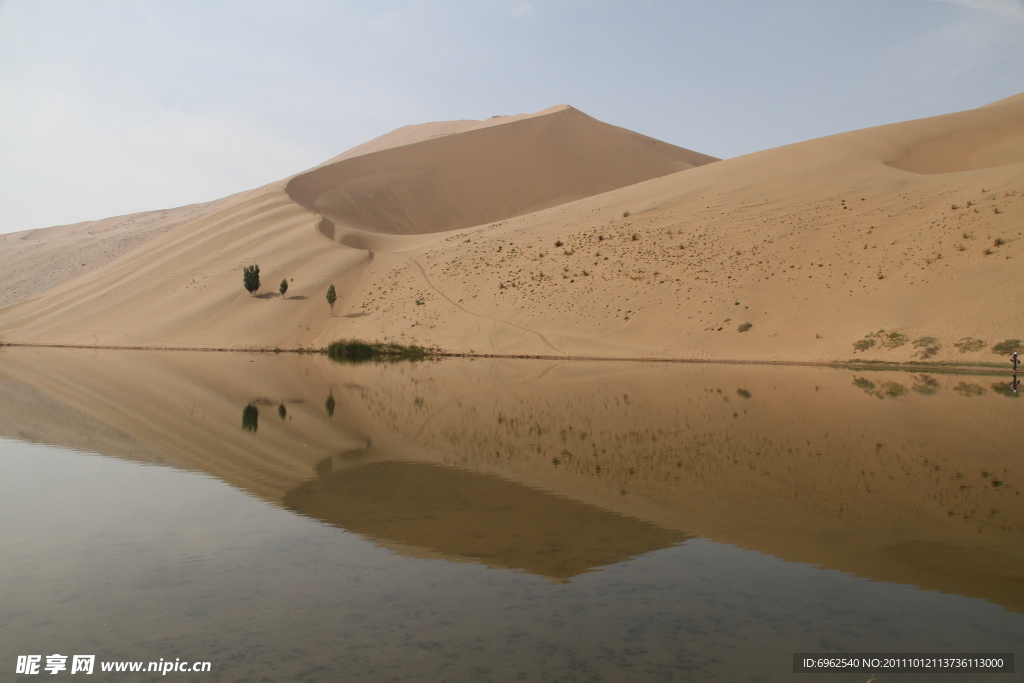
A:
[283,288]
[332,296]
[251,278]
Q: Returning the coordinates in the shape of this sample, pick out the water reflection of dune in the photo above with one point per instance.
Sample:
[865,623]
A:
[465,515]
[915,487]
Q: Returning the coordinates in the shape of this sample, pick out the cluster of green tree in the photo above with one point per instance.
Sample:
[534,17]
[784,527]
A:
[251,282]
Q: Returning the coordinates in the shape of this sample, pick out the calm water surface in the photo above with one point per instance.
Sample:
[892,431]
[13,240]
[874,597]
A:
[286,518]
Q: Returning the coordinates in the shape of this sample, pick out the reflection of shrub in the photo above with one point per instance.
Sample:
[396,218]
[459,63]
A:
[329,405]
[926,385]
[744,327]
[885,389]
[891,389]
[927,346]
[282,411]
[863,344]
[1005,348]
[969,390]
[1005,390]
[250,418]
[969,344]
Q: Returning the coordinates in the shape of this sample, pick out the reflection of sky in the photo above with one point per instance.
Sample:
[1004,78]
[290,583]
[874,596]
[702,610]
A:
[137,562]
[114,107]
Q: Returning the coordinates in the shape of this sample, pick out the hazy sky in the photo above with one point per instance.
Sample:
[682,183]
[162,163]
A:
[111,107]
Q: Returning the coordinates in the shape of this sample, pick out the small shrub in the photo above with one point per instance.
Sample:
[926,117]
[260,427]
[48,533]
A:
[744,327]
[893,340]
[863,344]
[988,252]
[743,393]
[635,237]
[625,214]
[283,288]
[250,418]
[353,350]
[282,412]
[927,346]
[558,243]
[251,278]
[999,241]
[1005,348]
[969,344]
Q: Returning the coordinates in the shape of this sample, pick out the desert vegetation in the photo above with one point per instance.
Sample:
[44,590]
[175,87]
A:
[251,278]
[353,350]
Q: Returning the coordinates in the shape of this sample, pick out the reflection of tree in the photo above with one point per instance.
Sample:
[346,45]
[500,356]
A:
[282,411]
[250,418]
[329,405]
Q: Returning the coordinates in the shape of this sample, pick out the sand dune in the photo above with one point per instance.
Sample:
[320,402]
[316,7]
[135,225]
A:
[506,237]
[34,261]
[476,175]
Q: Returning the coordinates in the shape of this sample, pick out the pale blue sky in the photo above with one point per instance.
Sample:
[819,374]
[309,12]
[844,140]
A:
[115,106]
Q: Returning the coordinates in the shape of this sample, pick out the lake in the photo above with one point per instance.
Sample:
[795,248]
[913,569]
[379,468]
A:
[287,518]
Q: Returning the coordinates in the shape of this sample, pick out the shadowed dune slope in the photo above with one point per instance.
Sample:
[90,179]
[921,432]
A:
[454,180]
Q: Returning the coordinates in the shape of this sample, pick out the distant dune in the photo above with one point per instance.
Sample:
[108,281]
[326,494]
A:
[556,234]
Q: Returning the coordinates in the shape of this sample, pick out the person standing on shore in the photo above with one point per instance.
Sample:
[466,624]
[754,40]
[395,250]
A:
[1013,359]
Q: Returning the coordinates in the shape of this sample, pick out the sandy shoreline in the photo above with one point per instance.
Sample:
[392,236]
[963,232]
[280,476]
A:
[918,366]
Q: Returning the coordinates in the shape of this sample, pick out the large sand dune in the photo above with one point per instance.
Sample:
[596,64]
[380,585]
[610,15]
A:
[555,234]
[470,176]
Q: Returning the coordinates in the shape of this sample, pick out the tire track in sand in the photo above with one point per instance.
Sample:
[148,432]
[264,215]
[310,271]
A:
[479,315]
